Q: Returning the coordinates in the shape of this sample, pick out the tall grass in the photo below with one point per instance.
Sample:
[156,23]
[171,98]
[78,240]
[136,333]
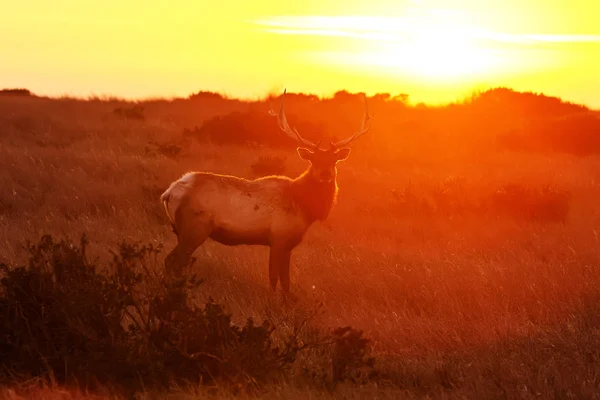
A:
[472,267]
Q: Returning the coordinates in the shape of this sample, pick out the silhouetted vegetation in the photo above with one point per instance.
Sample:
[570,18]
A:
[546,204]
[516,121]
[171,150]
[133,112]
[463,245]
[349,358]
[65,320]
[205,95]
[247,128]
[512,104]
[518,202]
[15,92]
[577,133]
[268,165]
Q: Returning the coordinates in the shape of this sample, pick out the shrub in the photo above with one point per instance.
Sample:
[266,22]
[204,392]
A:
[516,201]
[123,325]
[63,319]
[577,134]
[251,127]
[15,92]
[134,112]
[349,357]
[407,202]
[206,95]
[268,165]
[170,150]
[546,204]
[447,198]
[60,317]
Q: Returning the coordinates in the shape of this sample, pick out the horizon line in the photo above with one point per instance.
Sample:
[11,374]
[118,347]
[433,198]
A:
[270,93]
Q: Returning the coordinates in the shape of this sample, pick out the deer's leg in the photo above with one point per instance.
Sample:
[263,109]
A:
[284,272]
[273,268]
[191,233]
[279,266]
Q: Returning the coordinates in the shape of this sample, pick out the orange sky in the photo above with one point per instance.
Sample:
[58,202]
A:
[436,51]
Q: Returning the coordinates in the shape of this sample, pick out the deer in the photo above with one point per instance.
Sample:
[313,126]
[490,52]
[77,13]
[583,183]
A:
[273,211]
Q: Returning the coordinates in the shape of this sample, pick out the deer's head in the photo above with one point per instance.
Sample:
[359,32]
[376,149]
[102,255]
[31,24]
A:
[323,161]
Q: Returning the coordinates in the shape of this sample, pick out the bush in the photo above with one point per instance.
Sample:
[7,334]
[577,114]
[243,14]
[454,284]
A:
[170,150]
[451,198]
[206,95]
[349,358]
[134,112]
[71,322]
[60,317]
[577,134]
[63,319]
[16,92]
[268,165]
[547,204]
[251,127]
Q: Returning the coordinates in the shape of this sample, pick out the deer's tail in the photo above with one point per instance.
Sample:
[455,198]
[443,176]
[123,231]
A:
[164,198]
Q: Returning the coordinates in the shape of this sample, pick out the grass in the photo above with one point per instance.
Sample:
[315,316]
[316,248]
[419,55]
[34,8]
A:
[458,303]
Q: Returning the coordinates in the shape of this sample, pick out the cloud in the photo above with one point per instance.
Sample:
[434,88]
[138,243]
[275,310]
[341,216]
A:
[397,29]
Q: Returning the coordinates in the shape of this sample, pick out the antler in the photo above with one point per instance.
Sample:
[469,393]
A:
[366,125]
[283,125]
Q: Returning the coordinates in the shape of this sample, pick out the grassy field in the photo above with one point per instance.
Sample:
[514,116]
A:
[465,291]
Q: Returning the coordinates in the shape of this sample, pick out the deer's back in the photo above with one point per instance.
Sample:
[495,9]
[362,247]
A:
[241,211]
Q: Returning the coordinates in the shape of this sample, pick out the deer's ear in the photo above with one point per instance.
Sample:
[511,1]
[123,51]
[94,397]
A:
[342,154]
[305,154]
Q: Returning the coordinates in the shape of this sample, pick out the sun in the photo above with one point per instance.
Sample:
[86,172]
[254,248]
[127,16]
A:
[439,52]
[437,57]
[437,46]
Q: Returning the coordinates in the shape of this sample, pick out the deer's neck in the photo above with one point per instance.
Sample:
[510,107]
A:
[314,198]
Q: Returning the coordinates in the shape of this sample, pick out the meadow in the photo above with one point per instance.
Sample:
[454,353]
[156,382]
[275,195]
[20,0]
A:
[464,242]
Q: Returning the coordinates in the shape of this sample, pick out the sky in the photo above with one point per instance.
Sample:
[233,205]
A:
[436,51]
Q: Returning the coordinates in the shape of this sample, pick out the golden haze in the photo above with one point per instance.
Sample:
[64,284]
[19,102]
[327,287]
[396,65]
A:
[463,243]
[433,51]
[465,237]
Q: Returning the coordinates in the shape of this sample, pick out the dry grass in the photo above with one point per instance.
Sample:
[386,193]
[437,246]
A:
[458,304]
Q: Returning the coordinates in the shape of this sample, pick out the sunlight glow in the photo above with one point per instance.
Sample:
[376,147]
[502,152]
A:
[436,51]
[440,45]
